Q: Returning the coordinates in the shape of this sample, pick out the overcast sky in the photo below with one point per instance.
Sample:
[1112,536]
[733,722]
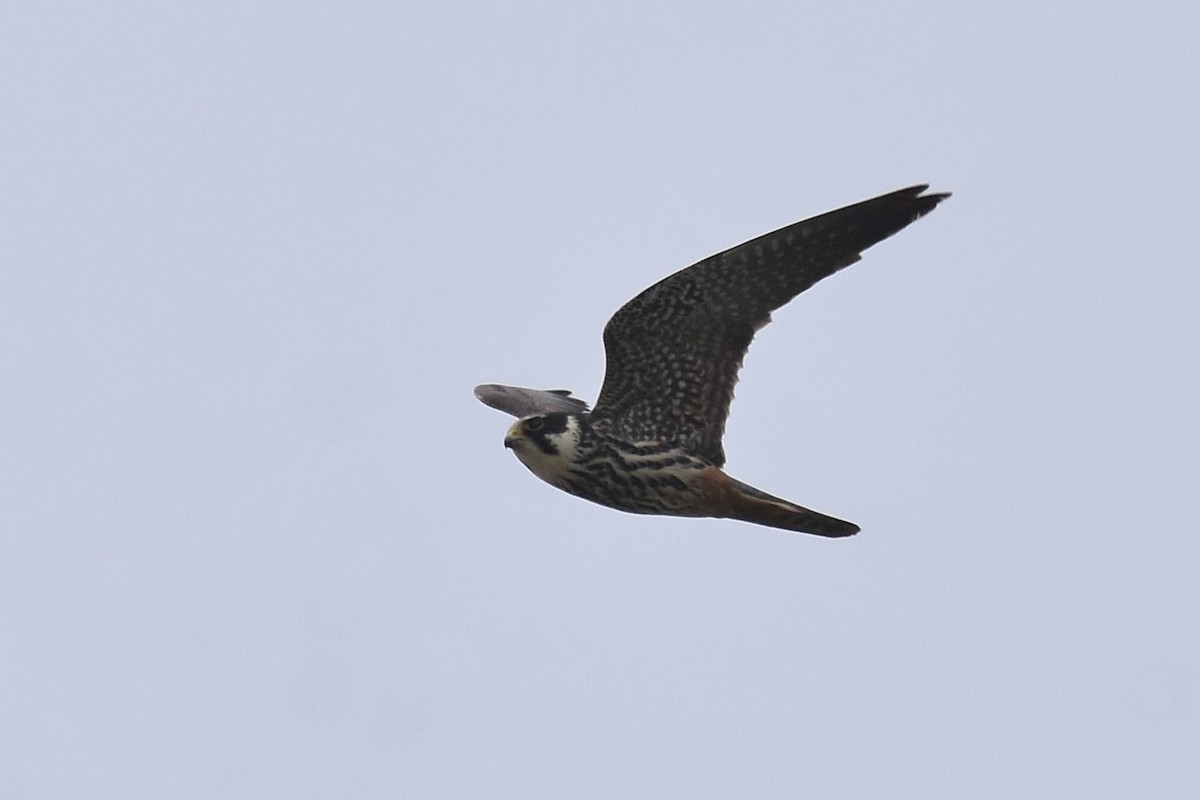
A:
[257,538]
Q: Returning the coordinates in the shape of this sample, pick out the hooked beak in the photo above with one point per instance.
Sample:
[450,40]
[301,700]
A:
[514,436]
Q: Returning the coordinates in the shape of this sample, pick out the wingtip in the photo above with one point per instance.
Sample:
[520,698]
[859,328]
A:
[850,529]
[937,197]
[521,402]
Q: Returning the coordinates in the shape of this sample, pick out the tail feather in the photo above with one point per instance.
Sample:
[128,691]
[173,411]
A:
[754,505]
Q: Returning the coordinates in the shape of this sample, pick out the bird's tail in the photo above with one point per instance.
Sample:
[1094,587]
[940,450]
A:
[754,505]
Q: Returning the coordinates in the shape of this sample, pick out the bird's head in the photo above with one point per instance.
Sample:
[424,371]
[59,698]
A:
[546,443]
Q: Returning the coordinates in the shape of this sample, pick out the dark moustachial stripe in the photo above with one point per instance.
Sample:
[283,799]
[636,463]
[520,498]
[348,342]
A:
[543,444]
[552,424]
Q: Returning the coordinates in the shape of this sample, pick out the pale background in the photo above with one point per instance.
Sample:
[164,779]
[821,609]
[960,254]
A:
[259,540]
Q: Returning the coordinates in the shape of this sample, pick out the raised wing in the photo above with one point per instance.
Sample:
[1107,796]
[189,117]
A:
[525,402]
[674,351]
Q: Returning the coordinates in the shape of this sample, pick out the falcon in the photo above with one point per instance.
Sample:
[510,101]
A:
[652,443]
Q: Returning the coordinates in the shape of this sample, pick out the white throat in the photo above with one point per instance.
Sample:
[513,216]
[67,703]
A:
[554,468]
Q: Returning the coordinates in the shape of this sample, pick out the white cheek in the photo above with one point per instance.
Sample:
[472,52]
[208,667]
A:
[568,441]
[552,467]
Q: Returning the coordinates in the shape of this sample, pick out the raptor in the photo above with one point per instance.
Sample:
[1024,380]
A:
[652,442]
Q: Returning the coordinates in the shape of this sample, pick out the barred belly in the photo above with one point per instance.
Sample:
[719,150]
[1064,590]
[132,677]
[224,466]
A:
[642,479]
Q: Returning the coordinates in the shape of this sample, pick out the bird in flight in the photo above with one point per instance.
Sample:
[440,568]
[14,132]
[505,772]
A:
[652,443]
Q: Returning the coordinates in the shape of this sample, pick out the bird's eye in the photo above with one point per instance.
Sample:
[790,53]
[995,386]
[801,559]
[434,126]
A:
[534,424]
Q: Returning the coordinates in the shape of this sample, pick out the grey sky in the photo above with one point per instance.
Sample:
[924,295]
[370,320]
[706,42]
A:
[259,539]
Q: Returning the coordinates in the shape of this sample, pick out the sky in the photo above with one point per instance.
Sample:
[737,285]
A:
[258,539]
